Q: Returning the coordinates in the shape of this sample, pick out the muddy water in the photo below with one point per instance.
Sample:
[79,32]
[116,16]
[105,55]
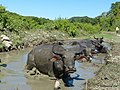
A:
[15,79]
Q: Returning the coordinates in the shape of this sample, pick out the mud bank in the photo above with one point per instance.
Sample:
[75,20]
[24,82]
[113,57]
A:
[108,77]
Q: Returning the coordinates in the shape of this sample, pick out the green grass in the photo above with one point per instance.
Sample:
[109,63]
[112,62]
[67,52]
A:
[106,35]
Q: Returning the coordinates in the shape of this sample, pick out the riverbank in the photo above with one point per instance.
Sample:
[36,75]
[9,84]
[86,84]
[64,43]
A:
[33,38]
[108,77]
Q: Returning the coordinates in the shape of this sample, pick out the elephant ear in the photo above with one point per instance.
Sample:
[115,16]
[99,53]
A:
[58,50]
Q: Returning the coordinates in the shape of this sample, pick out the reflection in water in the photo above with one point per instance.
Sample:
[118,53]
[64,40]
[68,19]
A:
[16,80]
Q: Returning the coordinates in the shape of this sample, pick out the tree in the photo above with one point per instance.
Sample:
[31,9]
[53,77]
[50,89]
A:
[2,9]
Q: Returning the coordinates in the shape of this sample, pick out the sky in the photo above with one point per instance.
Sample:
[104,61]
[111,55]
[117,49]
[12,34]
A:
[53,9]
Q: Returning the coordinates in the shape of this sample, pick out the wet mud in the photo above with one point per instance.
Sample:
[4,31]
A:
[108,77]
[15,79]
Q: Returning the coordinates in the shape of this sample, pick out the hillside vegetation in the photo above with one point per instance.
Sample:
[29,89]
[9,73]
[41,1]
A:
[27,29]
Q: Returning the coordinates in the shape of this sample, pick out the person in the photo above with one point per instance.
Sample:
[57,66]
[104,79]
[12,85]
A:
[117,29]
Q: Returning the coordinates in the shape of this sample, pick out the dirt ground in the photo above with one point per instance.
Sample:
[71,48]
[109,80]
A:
[108,77]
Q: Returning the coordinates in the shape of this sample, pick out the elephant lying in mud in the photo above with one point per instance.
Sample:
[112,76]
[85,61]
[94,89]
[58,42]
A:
[53,60]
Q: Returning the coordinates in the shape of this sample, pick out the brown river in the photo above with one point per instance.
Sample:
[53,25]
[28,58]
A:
[15,79]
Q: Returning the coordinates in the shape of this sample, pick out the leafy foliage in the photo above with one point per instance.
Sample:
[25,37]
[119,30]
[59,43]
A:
[110,20]
[18,24]
[2,9]
[84,19]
